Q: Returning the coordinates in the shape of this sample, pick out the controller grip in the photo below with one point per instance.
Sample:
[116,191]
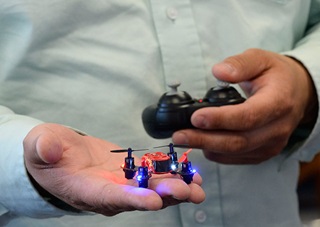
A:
[161,123]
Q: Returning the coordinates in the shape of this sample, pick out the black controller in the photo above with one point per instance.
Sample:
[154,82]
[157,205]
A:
[174,109]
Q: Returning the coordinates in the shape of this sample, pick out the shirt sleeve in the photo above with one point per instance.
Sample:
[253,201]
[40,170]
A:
[307,51]
[18,196]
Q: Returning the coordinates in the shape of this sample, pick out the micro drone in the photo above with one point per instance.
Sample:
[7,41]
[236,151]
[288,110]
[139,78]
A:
[157,163]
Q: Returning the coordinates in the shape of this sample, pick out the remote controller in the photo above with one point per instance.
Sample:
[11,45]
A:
[174,109]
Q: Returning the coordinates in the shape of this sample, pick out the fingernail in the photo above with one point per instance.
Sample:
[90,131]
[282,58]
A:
[225,68]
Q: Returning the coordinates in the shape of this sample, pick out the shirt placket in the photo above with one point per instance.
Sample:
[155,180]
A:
[182,60]
[179,44]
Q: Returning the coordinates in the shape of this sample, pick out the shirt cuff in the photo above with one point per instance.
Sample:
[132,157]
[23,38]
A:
[308,146]
[18,195]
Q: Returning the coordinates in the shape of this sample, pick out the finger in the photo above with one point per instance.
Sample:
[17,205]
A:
[242,67]
[254,157]
[161,193]
[175,190]
[109,198]
[215,141]
[276,134]
[197,194]
[253,113]
[230,160]
[170,185]
[174,187]
[134,198]
[42,146]
[197,179]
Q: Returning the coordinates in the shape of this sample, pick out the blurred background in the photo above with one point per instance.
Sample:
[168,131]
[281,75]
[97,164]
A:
[309,192]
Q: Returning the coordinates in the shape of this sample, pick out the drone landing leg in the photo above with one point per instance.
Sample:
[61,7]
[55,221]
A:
[187,172]
[143,176]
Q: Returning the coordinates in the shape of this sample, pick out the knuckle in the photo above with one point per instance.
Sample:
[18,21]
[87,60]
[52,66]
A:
[241,61]
[238,144]
[284,105]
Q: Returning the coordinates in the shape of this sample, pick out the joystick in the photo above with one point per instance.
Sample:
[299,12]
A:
[174,108]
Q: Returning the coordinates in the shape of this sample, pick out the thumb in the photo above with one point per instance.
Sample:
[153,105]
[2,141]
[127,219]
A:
[243,67]
[42,146]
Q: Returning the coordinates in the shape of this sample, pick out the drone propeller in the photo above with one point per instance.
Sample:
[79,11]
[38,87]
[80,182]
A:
[184,156]
[127,150]
[174,145]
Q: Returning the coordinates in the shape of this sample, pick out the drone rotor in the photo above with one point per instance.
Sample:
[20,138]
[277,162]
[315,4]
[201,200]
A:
[127,150]
[128,167]
[171,145]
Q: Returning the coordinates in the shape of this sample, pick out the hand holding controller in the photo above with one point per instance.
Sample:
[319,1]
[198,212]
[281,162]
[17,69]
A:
[174,109]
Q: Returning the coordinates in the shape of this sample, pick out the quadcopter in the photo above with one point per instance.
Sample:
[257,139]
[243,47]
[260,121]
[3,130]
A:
[157,163]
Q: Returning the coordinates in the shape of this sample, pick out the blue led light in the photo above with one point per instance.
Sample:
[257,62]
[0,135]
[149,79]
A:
[173,167]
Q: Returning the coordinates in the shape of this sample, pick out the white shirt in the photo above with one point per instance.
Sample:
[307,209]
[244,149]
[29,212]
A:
[95,65]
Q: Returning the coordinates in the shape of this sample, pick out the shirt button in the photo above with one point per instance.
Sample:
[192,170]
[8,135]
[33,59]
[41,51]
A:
[172,13]
[200,216]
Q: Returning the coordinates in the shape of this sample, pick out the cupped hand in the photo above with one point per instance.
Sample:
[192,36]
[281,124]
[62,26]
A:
[81,171]
[281,96]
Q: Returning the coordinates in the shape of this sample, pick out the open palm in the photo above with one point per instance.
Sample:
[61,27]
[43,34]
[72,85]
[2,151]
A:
[81,171]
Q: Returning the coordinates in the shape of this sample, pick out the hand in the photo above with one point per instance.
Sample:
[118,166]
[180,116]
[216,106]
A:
[281,96]
[81,171]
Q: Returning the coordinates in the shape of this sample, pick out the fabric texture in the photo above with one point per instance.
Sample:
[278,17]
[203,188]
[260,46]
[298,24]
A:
[95,65]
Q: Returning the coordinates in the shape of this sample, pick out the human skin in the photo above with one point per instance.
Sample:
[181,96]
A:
[280,97]
[82,172]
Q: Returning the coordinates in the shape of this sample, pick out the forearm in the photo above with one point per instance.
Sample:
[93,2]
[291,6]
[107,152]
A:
[17,192]
[307,52]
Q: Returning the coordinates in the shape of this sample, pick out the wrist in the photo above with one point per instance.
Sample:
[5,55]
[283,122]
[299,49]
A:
[310,113]
[47,196]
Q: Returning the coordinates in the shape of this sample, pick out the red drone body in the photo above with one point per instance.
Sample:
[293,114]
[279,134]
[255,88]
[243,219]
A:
[157,163]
